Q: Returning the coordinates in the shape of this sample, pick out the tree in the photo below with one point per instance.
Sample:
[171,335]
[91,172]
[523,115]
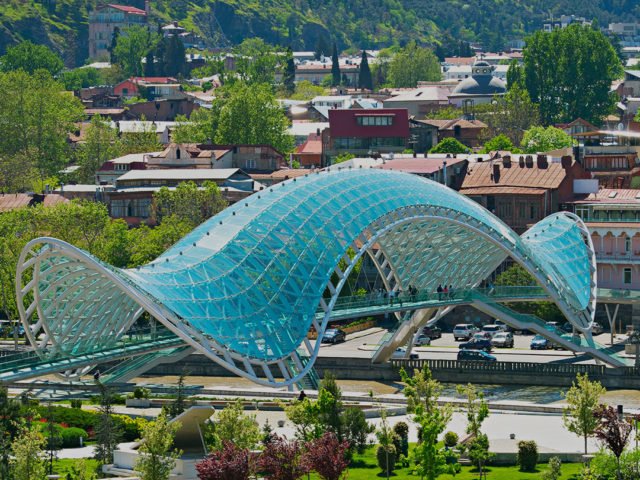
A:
[413,64]
[515,75]
[612,431]
[107,431]
[53,439]
[246,114]
[305,90]
[422,392]
[282,459]
[112,46]
[477,409]
[30,58]
[498,143]
[540,139]
[36,117]
[289,73]
[141,141]
[188,202]
[175,62]
[582,400]
[386,453]
[304,414]
[323,48]
[228,463]
[101,144]
[479,453]
[569,71]
[9,415]
[327,456]
[132,45]
[509,115]
[356,429]
[232,425]
[330,406]
[335,67]
[157,459]
[179,404]
[80,78]
[449,145]
[365,81]
[27,459]
[256,62]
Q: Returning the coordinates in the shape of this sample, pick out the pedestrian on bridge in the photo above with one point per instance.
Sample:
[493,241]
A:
[451,292]
[439,290]
[445,291]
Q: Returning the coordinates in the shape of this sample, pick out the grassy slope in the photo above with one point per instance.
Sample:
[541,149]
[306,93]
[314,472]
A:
[358,23]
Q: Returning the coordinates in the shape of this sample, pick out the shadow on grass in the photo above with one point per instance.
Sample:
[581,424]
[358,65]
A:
[360,463]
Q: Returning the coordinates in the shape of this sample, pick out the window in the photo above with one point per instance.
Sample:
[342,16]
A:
[377,121]
[178,153]
[626,276]
[582,212]
[250,163]
[627,244]
[533,212]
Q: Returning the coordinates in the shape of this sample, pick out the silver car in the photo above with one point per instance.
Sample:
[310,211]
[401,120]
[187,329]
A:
[502,339]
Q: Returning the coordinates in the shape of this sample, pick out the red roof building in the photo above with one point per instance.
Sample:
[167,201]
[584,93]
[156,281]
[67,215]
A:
[105,19]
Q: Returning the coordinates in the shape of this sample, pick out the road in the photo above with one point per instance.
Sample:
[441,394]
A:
[363,344]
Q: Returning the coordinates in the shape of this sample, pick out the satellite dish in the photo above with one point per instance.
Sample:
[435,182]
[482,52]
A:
[620,127]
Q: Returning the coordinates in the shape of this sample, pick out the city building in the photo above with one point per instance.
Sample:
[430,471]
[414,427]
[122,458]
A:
[467,132]
[189,39]
[460,72]
[563,21]
[481,87]
[309,153]
[104,20]
[522,189]
[435,167]
[364,132]
[148,87]
[420,102]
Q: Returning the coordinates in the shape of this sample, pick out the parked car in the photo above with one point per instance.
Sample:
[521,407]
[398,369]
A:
[432,332]
[475,355]
[540,343]
[567,327]
[464,331]
[553,326]
[422,340]
[502,339]
[477,344]
[401,354]
[334,335]
[492,329]
[482,336]
[505,327]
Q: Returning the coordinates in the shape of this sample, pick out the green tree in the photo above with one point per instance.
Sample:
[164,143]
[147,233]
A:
[9,416]
[101,144]
[256,62]
[305,90]
[498,143]
[179,403]
[582,399]
[540,139]
[515,75]
[132,45]
[386,452]
[511,115]
[244,114]
[175,62]
[30,58]
[157,457]
[232,425]
[305,416]
[335,67]
[413,64]
[188,202]
[144,140]
[80,78]
[330,405]
[479,453]
[569,71]
[27,454]
[146,243]
[449,145]
[477,408]
[289,74]
[107,430]
[36,117]
[365,80]
[356,429]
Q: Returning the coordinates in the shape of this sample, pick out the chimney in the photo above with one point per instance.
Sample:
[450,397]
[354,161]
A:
[528,161]
[506,161]
[521,161]
[318,132]
[541,160]
[496,172]
[566,161]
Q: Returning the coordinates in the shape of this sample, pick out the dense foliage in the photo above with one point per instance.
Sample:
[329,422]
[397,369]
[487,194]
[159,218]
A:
[359,23]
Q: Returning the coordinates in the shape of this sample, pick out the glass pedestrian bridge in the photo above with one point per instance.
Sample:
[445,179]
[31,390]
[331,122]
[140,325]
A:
[245,287]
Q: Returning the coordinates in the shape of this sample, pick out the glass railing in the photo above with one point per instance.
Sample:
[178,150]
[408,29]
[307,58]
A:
[612,293]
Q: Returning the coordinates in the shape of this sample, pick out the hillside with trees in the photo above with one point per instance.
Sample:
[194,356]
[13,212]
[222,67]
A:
[303,24]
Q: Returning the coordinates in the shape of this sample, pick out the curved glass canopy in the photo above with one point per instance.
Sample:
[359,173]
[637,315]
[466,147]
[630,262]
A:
[246,285]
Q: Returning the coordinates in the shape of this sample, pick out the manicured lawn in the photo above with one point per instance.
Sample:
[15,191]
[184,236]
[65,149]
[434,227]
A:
[364,467]
[63,466]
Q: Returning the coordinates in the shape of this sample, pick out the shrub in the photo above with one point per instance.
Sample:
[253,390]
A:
[131,428]
[141,392]
[228,463]
[71,437]
[450,439]
[76,403]
[386,458]
[73,417]
[401,440]
[555,469]
[527,455]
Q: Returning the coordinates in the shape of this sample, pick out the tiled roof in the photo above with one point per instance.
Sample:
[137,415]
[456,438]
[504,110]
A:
[418,165]
[128,9]
[503,190]
[481,175]
[451,124]
[13,201]
[623,196]
[313,145]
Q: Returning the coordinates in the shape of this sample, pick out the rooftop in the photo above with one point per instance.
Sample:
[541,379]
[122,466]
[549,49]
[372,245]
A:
[418,165]
[423,94]
[180,174]
[482,175]
[127,9]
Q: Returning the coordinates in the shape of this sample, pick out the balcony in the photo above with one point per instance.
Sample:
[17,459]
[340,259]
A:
[618,258]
